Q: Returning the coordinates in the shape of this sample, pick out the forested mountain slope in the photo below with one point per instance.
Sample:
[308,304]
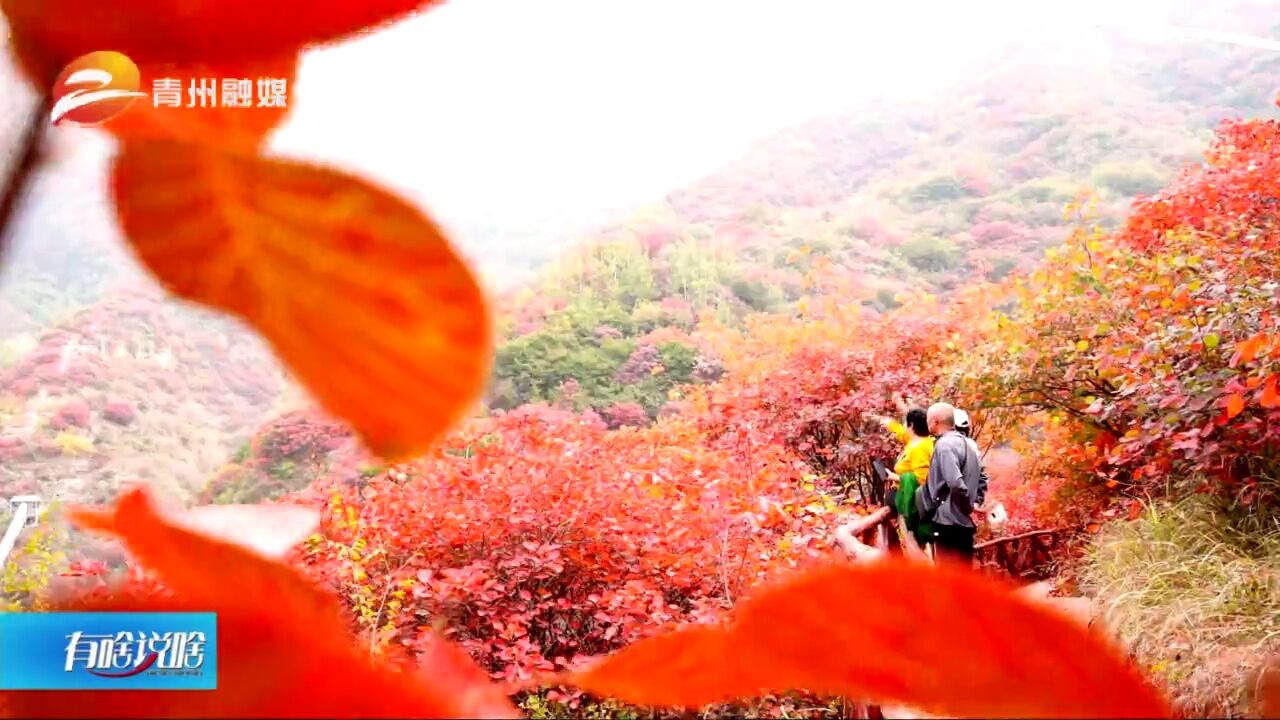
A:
[898,200]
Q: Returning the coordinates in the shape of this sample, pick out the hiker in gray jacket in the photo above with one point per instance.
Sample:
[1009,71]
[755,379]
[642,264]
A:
[955,480]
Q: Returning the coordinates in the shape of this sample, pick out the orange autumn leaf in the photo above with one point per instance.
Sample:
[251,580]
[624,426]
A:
[1247,350]
[233,127]
[48,34]
[940,639]
[1235,405]
[359,293]
[1270,397]
[283,648]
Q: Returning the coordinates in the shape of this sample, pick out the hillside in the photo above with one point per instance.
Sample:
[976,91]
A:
[133,388]
[916,199]
[1135,374]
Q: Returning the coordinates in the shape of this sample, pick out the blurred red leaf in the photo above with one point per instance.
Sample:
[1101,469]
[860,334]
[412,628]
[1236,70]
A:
[283,647]
[885,632]
[358,291]
[50,33]
[1266,689]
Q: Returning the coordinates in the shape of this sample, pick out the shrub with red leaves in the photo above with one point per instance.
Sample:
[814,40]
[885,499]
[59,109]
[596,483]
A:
[540,536]
[639,365]
[1155,353]
[290,452]
[75,414]
[120,413]
[817,386]
[625,415]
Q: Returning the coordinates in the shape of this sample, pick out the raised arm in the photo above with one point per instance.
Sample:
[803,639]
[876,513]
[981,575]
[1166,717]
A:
[898,429]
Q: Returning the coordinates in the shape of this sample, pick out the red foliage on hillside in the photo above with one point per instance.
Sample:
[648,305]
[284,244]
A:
[541,536]
[288,454]
[1154,354]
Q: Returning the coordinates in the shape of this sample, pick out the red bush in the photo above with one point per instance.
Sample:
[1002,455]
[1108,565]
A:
[540,536]
[12,448]
[994,231]
[625,415]
[120,413]
[74,414]
[290,452]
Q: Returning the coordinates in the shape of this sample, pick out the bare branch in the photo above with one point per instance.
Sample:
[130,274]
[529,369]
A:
[19,177]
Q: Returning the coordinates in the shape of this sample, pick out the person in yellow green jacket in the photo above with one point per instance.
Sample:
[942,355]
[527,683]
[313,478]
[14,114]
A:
[911,470]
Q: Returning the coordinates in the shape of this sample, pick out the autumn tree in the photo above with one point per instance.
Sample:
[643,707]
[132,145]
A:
[817,383]
[1155,346]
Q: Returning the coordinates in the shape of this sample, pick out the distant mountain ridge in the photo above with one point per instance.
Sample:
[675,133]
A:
[917,197]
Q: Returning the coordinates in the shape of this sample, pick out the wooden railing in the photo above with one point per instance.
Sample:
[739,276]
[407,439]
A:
[1029,556]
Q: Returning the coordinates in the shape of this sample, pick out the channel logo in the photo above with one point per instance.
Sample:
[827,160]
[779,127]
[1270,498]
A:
[108,651]
[95,88]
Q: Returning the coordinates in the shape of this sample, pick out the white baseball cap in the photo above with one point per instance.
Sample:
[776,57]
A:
[962,418]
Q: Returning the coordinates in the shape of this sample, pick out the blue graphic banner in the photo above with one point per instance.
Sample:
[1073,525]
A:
[108,651]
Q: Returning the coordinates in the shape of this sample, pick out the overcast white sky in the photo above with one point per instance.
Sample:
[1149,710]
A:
[515,117]
[517,113]
[517,107]
[518,121]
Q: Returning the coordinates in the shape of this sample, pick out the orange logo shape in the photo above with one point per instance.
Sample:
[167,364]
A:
[94,88]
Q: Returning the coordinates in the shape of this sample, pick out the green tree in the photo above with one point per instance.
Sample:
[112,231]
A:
[624,273]
[695,272]
[755,294]
[1001,267]
[930,253]
[678,359]
[938,189]
[1128,178]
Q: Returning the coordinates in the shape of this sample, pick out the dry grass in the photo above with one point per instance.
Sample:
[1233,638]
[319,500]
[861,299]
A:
[1194,592]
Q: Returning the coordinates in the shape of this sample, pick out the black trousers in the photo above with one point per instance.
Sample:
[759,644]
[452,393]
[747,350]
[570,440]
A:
[954,542]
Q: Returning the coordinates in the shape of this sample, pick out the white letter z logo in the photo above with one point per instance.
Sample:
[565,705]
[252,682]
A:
[87,96]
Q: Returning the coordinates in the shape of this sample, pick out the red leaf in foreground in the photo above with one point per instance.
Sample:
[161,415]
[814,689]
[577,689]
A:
[358,291]
[943,640]
[283,649]
[49,33]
